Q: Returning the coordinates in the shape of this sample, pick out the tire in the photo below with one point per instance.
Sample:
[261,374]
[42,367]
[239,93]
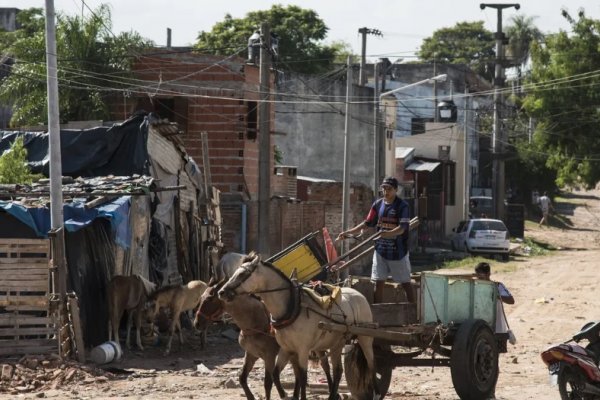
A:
[383,371]
[569,383]
[452,246]
[474,361]
[505,257]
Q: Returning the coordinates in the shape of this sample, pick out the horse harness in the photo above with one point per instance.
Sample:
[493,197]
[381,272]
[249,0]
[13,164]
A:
[294,304]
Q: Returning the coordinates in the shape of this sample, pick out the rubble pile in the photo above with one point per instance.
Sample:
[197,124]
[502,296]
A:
[43,372]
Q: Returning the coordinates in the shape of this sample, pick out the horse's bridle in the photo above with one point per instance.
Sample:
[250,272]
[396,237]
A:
[214,316]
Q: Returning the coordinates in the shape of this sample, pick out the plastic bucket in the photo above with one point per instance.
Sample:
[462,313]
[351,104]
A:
[106,352]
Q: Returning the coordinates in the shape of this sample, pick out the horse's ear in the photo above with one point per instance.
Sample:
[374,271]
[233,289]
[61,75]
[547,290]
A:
[212,281]
[294,275]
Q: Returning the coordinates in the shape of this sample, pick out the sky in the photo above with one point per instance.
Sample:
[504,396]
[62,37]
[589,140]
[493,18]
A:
[404,23]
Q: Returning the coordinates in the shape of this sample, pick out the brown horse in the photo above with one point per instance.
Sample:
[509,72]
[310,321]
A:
[178,298]
[295,318]
[127,293]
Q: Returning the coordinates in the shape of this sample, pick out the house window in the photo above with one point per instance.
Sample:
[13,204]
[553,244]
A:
[251,120]
[417,125]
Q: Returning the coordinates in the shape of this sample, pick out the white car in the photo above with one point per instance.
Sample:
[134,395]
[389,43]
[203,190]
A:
[485,236]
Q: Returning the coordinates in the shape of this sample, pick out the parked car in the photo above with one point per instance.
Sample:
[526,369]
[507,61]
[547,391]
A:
[483,236]
[481,207]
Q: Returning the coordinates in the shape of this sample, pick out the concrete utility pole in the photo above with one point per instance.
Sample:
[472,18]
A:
[264,142]
[363,60]
[346,178]
[377,139]
[56,198]
[498,136]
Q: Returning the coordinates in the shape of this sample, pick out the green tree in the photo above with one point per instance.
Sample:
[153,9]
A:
[564,98]
[464,43]
[13,164]
[91,62]
[521,33]
[300,33]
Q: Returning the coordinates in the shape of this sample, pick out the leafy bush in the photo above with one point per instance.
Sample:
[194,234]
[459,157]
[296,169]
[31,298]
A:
[13,164]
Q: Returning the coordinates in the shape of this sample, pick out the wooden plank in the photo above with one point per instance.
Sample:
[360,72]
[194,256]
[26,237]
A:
[80,348]
[33,249]
[26,349]
[24,286]
[37,269]
[28,342]
[38,301]
[25,261]
[40,330]
[23,275]
[22,241]
[23,320]
[22,308]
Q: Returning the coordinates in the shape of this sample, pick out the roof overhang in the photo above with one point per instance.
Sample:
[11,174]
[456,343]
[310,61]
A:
[420,166]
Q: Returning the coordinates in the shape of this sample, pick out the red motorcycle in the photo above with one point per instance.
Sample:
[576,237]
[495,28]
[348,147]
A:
[575,368]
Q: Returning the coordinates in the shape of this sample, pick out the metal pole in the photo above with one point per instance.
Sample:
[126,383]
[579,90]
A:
[435,93]
[346,178]
[466,191]
[264,143]
[376,136]
[56,197]
[497,134]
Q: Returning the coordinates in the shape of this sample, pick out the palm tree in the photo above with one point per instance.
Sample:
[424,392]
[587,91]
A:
[91,60]
[521,32]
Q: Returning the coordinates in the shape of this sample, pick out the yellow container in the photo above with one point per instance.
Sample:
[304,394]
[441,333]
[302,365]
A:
[301,258]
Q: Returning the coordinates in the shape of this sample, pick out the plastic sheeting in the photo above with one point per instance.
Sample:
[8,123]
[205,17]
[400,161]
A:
[76,217]
[118,150]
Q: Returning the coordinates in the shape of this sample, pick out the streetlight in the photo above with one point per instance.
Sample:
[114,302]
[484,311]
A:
[379,148]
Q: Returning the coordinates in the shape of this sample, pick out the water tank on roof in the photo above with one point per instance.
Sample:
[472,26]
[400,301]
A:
[254,48]
[447,111]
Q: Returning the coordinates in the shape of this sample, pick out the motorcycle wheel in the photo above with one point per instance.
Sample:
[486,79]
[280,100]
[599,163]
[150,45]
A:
[569,385]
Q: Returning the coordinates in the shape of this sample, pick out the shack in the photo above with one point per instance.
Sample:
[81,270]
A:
[134,203]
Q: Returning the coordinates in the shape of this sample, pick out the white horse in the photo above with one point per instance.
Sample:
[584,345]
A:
[295,318]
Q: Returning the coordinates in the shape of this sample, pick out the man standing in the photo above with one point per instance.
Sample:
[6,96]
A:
[390,216]
[545,205]
[483,272]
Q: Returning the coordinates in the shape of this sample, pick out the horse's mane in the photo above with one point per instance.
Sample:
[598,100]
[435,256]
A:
[253,254]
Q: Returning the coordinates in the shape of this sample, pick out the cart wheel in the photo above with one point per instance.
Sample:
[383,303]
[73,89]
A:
[383,372]
[474,361]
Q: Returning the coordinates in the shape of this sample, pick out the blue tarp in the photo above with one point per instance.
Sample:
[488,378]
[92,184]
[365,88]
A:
[77,217]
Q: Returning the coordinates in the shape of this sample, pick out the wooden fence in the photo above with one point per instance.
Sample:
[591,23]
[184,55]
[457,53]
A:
[26,326]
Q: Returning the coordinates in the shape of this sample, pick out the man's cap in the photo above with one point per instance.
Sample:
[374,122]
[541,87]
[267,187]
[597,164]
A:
[390,181]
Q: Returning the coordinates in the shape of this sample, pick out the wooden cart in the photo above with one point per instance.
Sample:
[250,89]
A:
[452,322]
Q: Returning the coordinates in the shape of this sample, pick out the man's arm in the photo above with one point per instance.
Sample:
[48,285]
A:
[505,295]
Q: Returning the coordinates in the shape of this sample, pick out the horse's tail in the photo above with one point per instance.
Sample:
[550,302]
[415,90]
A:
[358,374]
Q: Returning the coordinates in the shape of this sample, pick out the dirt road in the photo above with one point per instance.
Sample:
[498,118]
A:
[555,295]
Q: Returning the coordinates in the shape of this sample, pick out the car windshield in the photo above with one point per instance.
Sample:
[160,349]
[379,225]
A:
[488,226]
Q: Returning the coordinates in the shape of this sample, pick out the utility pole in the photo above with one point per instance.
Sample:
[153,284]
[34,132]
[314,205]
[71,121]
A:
[56,196]
[346,177]
[498,138]
[363,60]
[264,143]
[377,139]
[466,158]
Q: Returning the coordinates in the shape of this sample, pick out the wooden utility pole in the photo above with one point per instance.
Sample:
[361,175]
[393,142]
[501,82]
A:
[498,137]
[264,143]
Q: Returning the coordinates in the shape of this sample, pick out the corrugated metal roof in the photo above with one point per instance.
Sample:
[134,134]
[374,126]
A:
[419,165]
